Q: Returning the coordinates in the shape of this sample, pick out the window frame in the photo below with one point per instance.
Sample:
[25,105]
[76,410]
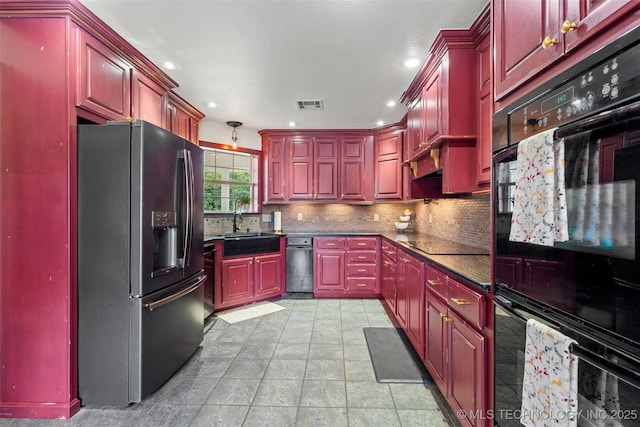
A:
[260,174]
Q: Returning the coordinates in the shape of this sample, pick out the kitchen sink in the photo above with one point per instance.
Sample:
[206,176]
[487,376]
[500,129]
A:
[235,244]
[248,235]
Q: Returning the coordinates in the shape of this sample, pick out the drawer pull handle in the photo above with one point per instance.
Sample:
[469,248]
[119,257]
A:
[443,315]
[362,285]
[362,244]
[362,257]
[461,301]
[361,270]
[568,26]
[434,282]
[548,41]
[331,244]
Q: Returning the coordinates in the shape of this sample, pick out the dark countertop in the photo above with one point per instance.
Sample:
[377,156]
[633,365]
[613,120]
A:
[468,262]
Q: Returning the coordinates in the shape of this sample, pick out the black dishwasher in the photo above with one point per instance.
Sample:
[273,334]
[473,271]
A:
[300,267]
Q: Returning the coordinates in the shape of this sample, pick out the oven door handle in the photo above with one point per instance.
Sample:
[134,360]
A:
[621,372]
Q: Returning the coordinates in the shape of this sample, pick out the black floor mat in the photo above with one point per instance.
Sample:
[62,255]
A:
[394,359]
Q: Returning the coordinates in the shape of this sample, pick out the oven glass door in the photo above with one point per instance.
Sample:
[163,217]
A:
[593,274]
[603,398]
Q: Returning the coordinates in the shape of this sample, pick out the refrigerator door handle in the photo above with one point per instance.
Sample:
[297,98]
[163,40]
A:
[188,188]
[166,300]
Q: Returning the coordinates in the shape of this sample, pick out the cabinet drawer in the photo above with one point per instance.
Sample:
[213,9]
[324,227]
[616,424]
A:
[364,243]
[467,303]
[330,242]
[361,284]
[437,281]
[389,250]
[361,270]
[361,257]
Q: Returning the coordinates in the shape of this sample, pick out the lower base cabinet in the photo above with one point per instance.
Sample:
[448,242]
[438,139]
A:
[456,359]
[245,279]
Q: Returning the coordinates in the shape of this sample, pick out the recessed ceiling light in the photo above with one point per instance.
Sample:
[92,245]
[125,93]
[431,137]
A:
[170,65]
[411,62]
[391,103]
[292,124]
[212,104]
[379,123]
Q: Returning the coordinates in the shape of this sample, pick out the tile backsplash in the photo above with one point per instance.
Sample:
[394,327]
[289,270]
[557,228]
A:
[463,219]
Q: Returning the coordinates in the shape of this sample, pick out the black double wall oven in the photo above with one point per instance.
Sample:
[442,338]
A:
[586,282]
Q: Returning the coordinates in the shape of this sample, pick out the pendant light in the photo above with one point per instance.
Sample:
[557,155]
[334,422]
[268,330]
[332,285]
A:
[234,134]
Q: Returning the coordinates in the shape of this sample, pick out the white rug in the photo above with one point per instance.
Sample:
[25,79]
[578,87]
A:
[239,314]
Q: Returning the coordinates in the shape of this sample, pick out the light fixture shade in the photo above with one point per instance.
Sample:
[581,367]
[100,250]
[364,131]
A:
[234,134]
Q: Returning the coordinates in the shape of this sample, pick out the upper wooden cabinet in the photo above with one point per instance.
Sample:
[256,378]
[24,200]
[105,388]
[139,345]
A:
[443,107]
[484,104]
[318,166]
[388,173]
[182,118]
[103,79]
[149,100]
[553,28]
[110,88]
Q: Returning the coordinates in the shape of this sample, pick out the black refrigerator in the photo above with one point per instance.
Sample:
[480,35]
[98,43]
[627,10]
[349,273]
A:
[140,259]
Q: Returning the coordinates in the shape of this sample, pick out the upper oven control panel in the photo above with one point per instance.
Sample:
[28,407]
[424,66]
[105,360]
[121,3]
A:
[610,82]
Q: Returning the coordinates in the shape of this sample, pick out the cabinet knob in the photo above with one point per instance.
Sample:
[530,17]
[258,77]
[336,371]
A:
[548,41]
[568,26]
[128,118]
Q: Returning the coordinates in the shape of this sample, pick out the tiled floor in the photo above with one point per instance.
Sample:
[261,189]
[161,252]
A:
[307,365]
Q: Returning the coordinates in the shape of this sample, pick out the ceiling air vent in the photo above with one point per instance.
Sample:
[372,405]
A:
[310,104]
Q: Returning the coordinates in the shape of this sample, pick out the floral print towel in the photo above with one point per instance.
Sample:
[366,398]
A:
[539,200]
[550,383]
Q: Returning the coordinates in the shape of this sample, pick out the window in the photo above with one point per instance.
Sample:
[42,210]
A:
[229,176]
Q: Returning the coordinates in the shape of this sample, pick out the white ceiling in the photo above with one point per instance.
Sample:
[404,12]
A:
[257,57]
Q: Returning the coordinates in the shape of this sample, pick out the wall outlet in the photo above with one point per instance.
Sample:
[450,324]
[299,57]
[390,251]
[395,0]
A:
[266,217]
[430,219]
[299,216]
[376,217]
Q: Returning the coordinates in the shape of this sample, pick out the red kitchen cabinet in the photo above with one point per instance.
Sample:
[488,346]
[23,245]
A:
[268,275]
[456,350]
[415,304]
[104,79]
[246,279]
[484,81]
[467,370]
[237,281]
[519,53]
[149,100]
[346,267]
[410,298]
[355,183]
[414,116]
[553,29]
[431,120]
[318,166]
[456,358]
[436,347]
[325,164]
[60,66]
[388,274]
[313,164]
[329,271]
[182,118]
[388,173]
[275,147]
[300,168]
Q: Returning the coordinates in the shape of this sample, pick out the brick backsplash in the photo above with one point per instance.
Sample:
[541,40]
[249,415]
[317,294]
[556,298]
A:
[463,219]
